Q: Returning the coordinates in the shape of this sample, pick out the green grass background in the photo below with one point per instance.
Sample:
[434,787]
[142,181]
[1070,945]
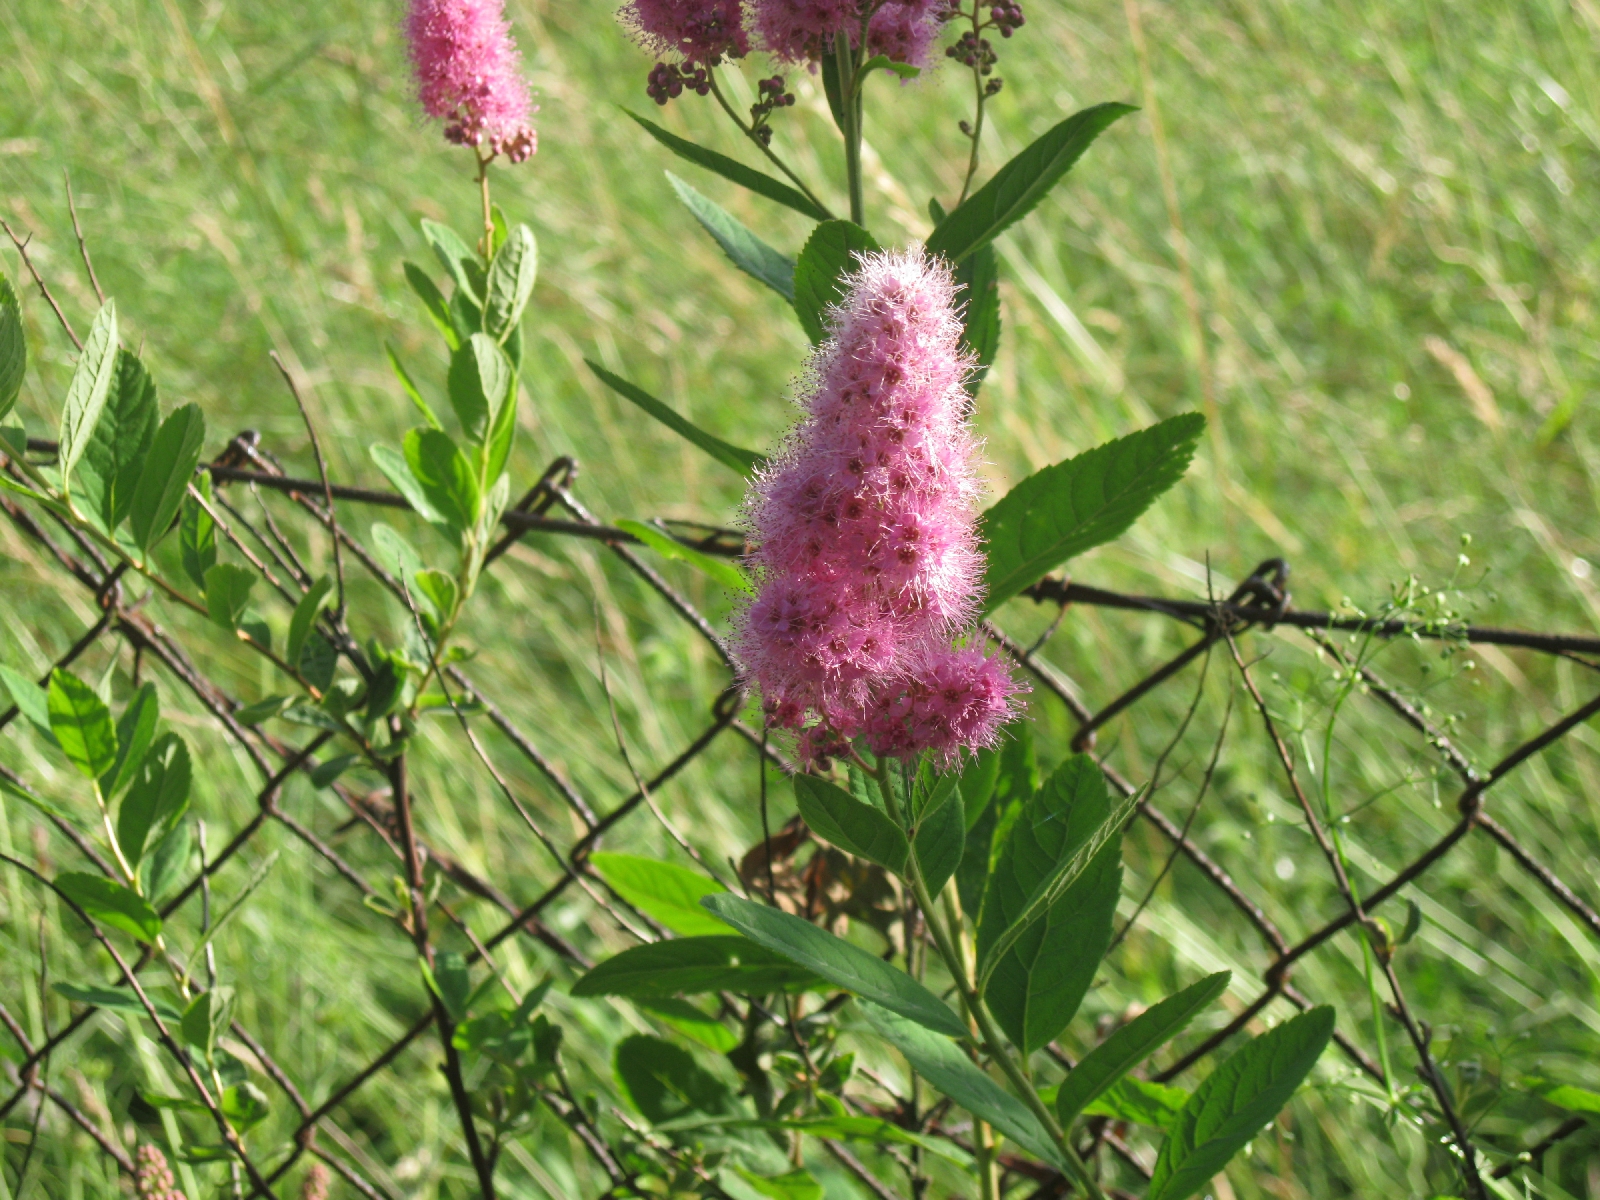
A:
[1358,235]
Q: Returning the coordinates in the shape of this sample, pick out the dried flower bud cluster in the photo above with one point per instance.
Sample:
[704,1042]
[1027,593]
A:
[469,75]
[868,558]
[667,81]
[152,1178]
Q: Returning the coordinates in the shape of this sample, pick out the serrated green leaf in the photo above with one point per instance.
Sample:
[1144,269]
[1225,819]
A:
[743,248]
[174,455]
[227,593]
[197,534]
[978,277]
[136,729]
[943,1064]
[670,894]
[831,252]
[692,966]
[1019,185]
[108,473]
[304,618]
[734,172]
[1059,512]
[1041,936]
[86,394]
[743,461]
[719,569]
[168,861]
[82,724]
[111,904]
[663,1082]
[837,961]
[692,1022]
[13,347]
[1141,1102]
[1235,1103]
[1133,1043]
[157,798]
[836,816]
[511,278]
[939,835]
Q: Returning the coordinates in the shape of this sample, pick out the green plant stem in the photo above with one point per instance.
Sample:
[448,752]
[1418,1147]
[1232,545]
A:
[772,155]
[850,109]
[488,206]
[978,109]
[993,1042]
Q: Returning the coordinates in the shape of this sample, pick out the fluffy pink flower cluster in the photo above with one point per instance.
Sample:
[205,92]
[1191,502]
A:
[469,75]
[799,30]
[703,32]
[868,559]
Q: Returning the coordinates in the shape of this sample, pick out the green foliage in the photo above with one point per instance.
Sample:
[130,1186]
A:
[174,454]
[743,248]
[691,966]
[836,816]
[667,893]
[81,723]
[743,461]
[112,462]
[733,170]
[664,1082]
[228,593]
[719,569]
[86,395]
[830,253]
[156,799]
[510,283]
[110,904]
[13,348]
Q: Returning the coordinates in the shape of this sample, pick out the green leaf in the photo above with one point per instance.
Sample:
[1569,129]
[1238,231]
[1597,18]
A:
[743,461]
[23,793]
[82,724]
[836,816]
[940,835]
[109,470]
[437,591]
[734,172]
[1019,185]
[32,701]
[747,252]
[456,257]
[118,999]
[668,893]
[227,593]
[511,277]
[326,774]
[410,388]
[1564,1095]
[831,252]
[1073,506]
[943,1064]
[435,305]
[264,709]
[451,980]
[1140,1101]
[136,728]
[245,1105]
[694,965]
[157,799]
[305,617]
[692,1022]
[719,569]
[1133,1043]
[978,276]
[480,378]
[395,470]
[110,904]
[13,346]
[1058,928]
[837,961]
[792,1185]
[445,477]
[663,1082]
[1235,1102]
[86,394]
[174,455]
[318,661]
[167,862]
[197,534]
[206,1017]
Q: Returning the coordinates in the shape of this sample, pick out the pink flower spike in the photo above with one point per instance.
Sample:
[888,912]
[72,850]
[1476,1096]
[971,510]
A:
[801,30]
[469,75]
[867,557]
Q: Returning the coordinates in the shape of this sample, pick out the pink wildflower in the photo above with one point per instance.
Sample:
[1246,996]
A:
[868,557]
[801,30]
[701,31]
[152,1179]
[469,75]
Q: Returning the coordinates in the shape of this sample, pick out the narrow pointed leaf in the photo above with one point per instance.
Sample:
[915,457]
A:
[32,701]
[1059,512]
[109,471]
[479,379]
[836,816]
[837,961]
[174,455]
[395,470]
[734,171]
[86,394]
[668,893]
[82,724]
[1019,185]
[228,593]
[305,616]
[1133,1043]
[741,460]
[410,387]
[692,966]
[13,347]
[157,798]
[136,729]
[197,533]
[1236,1102]
[829,255]
[111,905]
[940,836]
[433,301]
[720,569]
[942,1063]
[746,251]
